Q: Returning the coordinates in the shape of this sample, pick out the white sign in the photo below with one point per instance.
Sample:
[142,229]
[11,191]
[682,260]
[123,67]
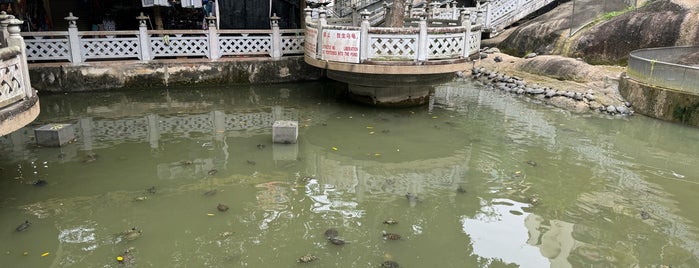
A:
[341,45]
[311,42]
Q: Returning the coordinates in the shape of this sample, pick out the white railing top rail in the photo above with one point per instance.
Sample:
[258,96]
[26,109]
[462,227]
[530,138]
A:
[664,67]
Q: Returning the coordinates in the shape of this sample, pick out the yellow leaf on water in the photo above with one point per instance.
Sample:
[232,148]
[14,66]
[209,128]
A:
[334,148]
[45,254]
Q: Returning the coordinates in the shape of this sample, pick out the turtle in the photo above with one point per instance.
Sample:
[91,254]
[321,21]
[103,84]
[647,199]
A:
[222,207]
[390,264]
[412,198]
[645,215]
[306,258]
[251,162]
[40,183]
[186,162]
[532,163]
[131,234]
[212,172]
[151,190]
[331,233]
[391,236]
[261,146]
[460,189]
[23,226]
[390,222]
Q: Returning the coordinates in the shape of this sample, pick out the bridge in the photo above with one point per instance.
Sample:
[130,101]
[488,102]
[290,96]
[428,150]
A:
[381,65]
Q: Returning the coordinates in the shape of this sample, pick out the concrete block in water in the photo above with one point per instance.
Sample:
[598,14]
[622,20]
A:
[285,132]
[54,135]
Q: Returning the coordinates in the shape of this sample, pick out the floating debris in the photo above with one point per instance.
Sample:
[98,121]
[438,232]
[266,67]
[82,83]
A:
[211,192]
[460,189]
[186,162]
[140,198]
[261,146]
[151,190]
[336,241]
[222,207]
[40,183]
[645,215]
[250,162]
[23,226]
[307,258]
[225,234]
[212,172]
[532,163]
[390,222]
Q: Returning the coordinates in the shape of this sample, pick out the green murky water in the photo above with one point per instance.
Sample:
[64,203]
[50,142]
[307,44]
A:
[499,181]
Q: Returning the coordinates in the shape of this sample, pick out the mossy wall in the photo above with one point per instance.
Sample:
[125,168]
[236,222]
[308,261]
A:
[664,104]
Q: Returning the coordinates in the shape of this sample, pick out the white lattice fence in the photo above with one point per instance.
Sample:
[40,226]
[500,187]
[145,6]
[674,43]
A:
[500,11]
[292,44]
[105,48]
[171,46]
[445,46]
[474,41]
[48,49]
[11,82]
[392,47]
[245,44]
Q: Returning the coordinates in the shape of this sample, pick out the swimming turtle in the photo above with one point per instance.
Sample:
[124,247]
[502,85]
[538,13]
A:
[251,162]
[212,172]
[307,258]
[151,190]
[391,236]
[23,226]
[412,198]
[336,241]
[532,163]
[390,264]
[645,215]
[131,234]
[390,222]
[210,192]
[460,189]
[331,233]
[261,146]
[222,207]
[40,183]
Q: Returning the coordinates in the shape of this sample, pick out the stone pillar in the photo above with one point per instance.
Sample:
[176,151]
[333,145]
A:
[286,132]
[309,16]
[454,10]
[356,19]
[74,39]
[322,22]
[422,40]
[15,39]
[214,53]
[143,38]
[153,130]
[465,19]
[364,37]
[276,52]
[3,28]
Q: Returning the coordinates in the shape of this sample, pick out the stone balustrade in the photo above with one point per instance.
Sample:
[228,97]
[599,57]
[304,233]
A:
[79,47]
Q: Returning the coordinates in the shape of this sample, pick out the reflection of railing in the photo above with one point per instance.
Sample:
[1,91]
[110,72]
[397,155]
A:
[663,67]
[144,44]
[363,44]
[14,74]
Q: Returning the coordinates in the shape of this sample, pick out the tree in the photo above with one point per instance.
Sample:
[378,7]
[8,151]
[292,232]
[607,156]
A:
[394,18]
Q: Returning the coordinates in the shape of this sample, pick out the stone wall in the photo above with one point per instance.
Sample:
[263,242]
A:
[660,103]
[94,76]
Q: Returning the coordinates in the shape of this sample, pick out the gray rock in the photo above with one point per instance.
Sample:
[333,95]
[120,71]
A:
[537,91]
[569,94]
[589,97]
[483,55]
[530,55]
[611,109]
[550,94]
[622,109]
[520,91]
[578,97]
[520,82]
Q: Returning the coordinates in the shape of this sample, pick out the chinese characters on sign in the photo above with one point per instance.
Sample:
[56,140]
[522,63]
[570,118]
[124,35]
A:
[311,42]
[340,45]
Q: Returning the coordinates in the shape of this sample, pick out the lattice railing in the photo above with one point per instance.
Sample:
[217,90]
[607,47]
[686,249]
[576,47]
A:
[292,42]
[11,81]
[392,47]
[445,46]
[52,47]
[173,46]
[106,45]
[502,13]
[245,44]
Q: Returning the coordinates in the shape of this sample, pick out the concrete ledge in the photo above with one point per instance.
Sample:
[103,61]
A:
[18,115]
[105,75]
[393,67]
[661,103]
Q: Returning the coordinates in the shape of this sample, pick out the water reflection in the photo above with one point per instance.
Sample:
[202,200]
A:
[493,180]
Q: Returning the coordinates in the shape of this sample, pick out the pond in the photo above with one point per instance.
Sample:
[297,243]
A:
[189,177]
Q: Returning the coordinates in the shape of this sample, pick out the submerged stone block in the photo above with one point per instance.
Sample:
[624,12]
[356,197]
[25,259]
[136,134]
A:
[54,135]
[286,132]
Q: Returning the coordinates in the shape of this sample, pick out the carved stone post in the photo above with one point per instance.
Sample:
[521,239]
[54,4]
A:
[214,53]
[15,39]
[74,39]
[143,38]
[309,16]
[466,22]
[276,52]
[422,39]
[3,28]
[364,36]
[322,22]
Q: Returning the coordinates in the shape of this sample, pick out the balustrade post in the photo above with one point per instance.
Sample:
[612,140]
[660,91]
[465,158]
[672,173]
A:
[422,39]
[143,38]
[309,15]
[15,39]
[3,28]
[322,23]
[276,52]
[214,53]
[466,22]
[454,10]
[73,39]
[364,36]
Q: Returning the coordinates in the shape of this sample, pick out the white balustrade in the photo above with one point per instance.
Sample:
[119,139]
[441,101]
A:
[14,73]
[145,45]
